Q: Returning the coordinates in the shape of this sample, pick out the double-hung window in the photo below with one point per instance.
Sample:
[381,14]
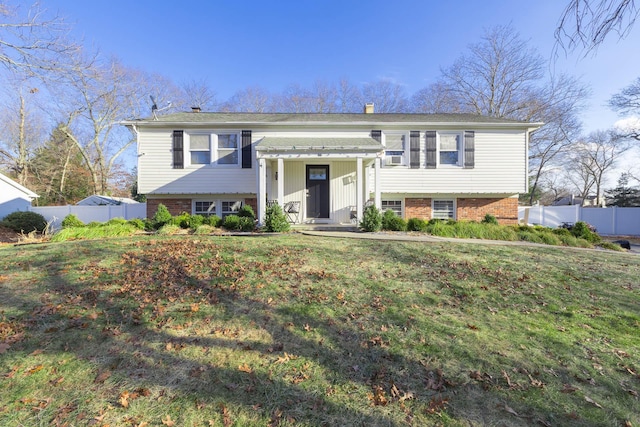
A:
[393,205]
[395,143]
[220,148]
[206,208]
[222,208]
[450,148]
[443,209]
[230,207]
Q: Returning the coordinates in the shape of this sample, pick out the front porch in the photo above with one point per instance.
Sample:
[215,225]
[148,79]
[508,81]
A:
[329,183]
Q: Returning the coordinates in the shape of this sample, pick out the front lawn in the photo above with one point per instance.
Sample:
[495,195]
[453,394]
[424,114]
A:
[300,330]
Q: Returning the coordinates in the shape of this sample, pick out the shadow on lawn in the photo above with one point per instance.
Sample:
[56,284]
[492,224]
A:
[135,345]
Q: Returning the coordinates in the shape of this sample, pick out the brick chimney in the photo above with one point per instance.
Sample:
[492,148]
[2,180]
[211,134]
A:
[368,108]
[195,109]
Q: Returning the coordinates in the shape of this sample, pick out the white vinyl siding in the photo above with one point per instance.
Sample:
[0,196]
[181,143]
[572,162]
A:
[500,165]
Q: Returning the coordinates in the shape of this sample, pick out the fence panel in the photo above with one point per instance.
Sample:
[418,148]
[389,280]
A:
[608,221]
[86,214]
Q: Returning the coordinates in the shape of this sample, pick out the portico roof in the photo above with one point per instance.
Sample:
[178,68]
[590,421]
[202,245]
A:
[288,144]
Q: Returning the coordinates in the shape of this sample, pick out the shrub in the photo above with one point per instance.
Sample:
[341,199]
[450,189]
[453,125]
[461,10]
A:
[183,220]
[246,211]
[204,229]
[71,221]
[371,219]
[161,217]
[561,232]
[104,230]
[168,229]
[94,224]
[582,230]
[416,224]
[246,223]
[116,221]
[24,222]
[392,222]
[611,246]
[275,220]
[137,223]
[490,219]
[231,222]
[212,220]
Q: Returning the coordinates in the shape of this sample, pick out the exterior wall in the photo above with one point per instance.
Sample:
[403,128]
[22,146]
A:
[12,199]
[175,206]
[470,209]
[500,167]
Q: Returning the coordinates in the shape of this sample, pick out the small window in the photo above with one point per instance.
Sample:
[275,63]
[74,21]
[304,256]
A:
[200,149]
[317,174]
[206,208]
[228,149]
[394,148]
[230,207]
[443,209]
[450,148]
[394,205]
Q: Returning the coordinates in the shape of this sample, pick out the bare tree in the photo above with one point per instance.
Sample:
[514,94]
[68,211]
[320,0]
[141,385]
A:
[31,42]
[586,23]
[253,99]
[388,96]
[595,157]
[627,102]
[435,98]
[349,97]
[199,94]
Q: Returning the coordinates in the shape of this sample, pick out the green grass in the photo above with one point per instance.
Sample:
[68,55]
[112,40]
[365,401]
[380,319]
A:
[299,330]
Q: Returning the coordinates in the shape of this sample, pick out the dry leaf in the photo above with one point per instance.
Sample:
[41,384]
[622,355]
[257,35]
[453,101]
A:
[245,368]
[4,347]
[102,377]
[168,421]
[511,411]
[568,388]
[124,399]
[593,402]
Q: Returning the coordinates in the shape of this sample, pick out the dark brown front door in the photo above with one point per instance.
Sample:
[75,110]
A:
[317,191]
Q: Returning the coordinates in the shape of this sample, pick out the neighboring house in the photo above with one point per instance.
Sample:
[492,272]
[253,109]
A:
[575,200]
[13,196]
[97,200]
[426,166]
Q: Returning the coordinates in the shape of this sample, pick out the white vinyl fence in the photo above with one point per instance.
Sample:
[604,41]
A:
[86,214]
[608,221]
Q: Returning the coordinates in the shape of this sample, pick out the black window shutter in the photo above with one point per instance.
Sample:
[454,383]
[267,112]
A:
[377,135]
[414,140]
[178,149]
[246,149]
[432,149]
[469,149]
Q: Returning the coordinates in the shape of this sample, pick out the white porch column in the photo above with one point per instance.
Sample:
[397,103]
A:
[262,190]
[359,189]
[281,182]
[376,173]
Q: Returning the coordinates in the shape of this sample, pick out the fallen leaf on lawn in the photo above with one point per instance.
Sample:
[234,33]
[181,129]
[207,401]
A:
[143,424]
[34,369]
[168,421]
[56,381]
[593,402]
[568,388]
[124,399]
[102,376]
[4,347]
[245,368]
[511,411]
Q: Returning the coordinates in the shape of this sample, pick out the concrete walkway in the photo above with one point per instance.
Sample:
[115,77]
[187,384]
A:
[407,237]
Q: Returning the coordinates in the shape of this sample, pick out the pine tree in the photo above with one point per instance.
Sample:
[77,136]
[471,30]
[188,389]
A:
[623,195]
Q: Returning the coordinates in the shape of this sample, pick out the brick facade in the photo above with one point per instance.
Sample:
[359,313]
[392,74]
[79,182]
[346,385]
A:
[505,210]
[175,206]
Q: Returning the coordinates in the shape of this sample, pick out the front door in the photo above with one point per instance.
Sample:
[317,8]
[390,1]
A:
[317,191]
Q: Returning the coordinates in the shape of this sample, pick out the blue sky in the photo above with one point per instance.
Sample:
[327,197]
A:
[236,44]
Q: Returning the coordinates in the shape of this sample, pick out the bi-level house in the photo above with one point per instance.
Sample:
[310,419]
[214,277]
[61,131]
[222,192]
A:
[330,166]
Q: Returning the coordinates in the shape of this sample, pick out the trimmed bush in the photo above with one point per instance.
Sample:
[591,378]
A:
[246,211]
[183,220]
[371,219]
[416,224]
[392,222]
[212,220]
[204,229]
[24,222]
[231,222]
[247,223]
[116,221]
[582,230]
[161,217]
[168,229]
[490,219]
[275,220]
[71,221]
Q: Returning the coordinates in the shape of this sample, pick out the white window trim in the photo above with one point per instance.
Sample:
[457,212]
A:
[214,211]
[213,148]
[455,207]
[460,148]
[405,149]
[393,200]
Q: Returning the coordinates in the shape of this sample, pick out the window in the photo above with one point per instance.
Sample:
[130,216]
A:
[205,208]
[228,149]
[443,209]
[450,148]
[394,205]
[214,148]
[230,207]
[394,148]
[200,150]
